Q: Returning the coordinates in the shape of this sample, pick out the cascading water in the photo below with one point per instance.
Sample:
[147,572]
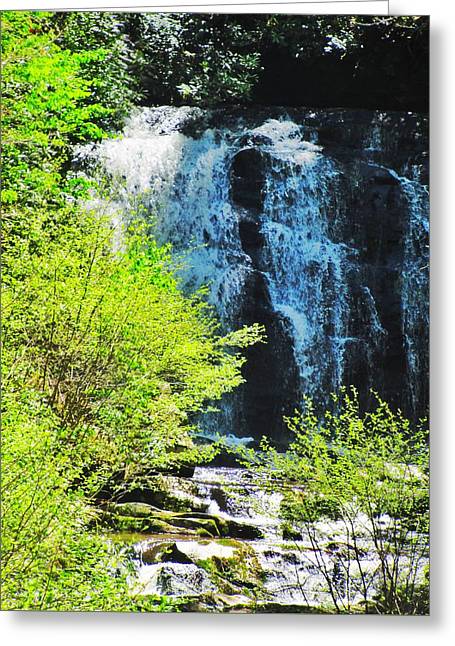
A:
[303,265]
[307,570]
[416,281]
[182,185]
[314,224]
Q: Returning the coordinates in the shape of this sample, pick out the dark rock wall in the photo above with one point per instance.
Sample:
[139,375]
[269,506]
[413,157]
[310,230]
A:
[369,213]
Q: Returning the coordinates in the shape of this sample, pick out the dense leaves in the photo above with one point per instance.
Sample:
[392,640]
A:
[215,59]
[196,59]
[369,472]
[46,105]
[109,72]
[105,363]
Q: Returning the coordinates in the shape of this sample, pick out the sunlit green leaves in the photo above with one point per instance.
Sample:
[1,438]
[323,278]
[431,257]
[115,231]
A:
[202,60]
[105,363]
[46,105]
[368,472]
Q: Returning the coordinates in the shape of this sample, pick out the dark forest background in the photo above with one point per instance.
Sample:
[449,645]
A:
[365,62]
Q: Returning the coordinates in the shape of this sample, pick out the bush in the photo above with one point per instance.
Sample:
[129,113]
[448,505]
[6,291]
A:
[368,475]
[105,362]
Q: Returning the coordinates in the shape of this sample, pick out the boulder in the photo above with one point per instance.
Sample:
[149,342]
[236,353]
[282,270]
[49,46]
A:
[148,525]
[173,579]
[152,550]
[221,602]
[133,509]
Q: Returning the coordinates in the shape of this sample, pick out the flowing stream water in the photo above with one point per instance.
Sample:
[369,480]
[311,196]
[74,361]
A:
[316,569]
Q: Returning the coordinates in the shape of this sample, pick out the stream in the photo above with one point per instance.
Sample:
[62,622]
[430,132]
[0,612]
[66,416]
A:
[254,566]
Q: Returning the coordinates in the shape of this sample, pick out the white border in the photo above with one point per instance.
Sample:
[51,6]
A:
[46,629]
[317,6]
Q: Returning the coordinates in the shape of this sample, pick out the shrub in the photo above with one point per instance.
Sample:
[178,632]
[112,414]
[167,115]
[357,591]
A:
[367,474]
[105,363]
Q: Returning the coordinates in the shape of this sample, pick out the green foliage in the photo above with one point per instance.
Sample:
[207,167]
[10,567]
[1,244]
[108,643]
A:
[46,106]
[108,70]
[105,363]
[338,35]
[369,472]
[111,340]
[202,59]
[49,561]
[213,59]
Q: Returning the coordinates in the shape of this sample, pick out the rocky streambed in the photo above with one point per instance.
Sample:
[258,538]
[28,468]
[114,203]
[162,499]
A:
[214,543]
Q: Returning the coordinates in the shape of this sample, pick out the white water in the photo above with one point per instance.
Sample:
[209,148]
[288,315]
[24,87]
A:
[182,183]
[295,572]
[415,283]
[304,264]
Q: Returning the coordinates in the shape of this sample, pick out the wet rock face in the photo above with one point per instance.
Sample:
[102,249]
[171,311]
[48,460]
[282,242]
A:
[368,212]
[271,377]
[312,223]
[272,383]
[377,358]
[247,178]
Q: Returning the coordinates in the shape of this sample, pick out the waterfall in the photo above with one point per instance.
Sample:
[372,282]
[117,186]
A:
[295,220]
[415,287]
[303,265]
[182,185]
